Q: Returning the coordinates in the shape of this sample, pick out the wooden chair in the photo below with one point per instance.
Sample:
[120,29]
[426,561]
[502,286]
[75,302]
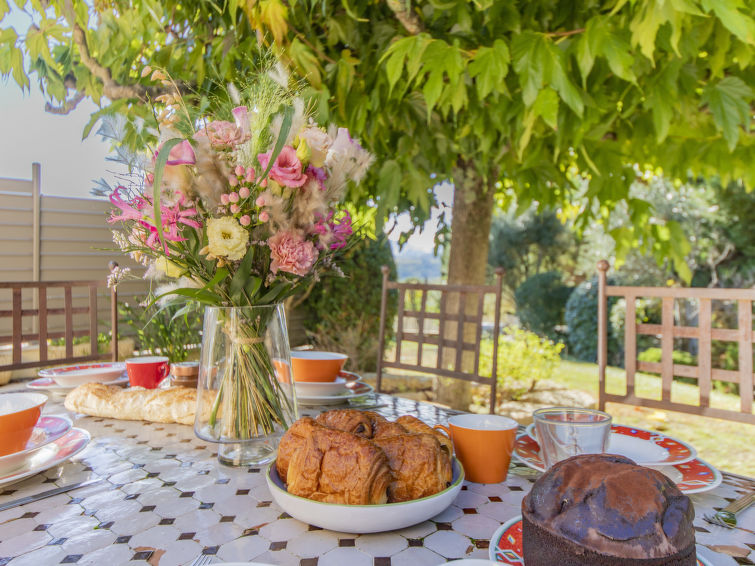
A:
[704,373]
[450,352]
[39,329]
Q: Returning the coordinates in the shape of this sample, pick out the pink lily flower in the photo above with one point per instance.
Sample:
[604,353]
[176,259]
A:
[129,210]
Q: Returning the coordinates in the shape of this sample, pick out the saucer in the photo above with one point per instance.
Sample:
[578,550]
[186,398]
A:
[48,429]
[71,376]
[506,545]
[645,447]
[319,389]
[351,391]
[693,476]
[49,456]
[49,384]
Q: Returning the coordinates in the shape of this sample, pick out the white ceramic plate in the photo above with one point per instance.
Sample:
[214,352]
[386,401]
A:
[71,376]
[352,391]
[48,384]
[646,447]
[363,518]
[50,455]
[506,545]
[48,429]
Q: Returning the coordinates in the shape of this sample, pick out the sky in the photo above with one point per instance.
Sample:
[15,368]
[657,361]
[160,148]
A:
[70,164]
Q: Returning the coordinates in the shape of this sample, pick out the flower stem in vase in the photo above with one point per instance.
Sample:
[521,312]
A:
[251,405]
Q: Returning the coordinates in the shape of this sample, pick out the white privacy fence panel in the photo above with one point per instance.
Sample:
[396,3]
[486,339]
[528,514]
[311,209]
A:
[50,238]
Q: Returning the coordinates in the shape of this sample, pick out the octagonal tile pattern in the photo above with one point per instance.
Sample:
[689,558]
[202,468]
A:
[166,501]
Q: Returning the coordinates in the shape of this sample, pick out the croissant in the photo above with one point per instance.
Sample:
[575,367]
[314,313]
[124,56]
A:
[347,420]
[420,465]
[413,424]
[383,427]
[333,466]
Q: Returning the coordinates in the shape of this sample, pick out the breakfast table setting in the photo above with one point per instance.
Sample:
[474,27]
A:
[86,488]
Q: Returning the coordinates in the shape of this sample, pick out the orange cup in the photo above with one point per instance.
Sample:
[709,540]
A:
[312,366]
[483,444]
[19,413]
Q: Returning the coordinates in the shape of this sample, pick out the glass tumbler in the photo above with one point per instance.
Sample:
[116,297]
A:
[563,432]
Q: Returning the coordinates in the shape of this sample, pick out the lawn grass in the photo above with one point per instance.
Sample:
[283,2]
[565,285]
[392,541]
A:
[727,445]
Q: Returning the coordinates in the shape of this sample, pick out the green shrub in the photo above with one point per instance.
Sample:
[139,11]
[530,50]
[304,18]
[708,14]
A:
[524,358]
[344,312]
[540,303]
[158,332]
[581,317]
[655,355]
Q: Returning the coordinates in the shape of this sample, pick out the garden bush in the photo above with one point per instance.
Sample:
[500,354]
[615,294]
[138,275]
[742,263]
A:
[158,332]
[524,358]
[581,317]
[655,355]
[540,303]
[344,312]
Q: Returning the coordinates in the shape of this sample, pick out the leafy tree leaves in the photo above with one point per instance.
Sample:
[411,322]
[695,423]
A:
[729,101]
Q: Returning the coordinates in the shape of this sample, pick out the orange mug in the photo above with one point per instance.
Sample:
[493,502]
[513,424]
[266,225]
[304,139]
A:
[483,444]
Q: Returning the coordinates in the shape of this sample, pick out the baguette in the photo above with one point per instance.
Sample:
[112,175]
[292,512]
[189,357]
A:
[174,405]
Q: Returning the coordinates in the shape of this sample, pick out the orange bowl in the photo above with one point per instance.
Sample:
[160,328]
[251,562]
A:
[19,413]
[316,366]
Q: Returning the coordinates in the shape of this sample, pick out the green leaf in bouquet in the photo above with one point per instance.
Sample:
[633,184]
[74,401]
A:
[288,116]
[160,162]
[219,276]
[202,295]
[274,292]
[241,277]
[252,286]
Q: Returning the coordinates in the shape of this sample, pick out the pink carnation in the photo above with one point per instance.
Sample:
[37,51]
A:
[224,134]
[290,252]
[287,168]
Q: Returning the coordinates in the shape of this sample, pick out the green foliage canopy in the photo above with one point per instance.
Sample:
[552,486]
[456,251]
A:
[555,99]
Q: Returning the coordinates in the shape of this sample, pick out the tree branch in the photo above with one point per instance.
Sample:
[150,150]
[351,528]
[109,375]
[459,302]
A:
[111,89]
[68,106]
[408,19]
[565,33]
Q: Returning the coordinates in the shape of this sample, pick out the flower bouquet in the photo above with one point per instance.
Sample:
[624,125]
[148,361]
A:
[239,210]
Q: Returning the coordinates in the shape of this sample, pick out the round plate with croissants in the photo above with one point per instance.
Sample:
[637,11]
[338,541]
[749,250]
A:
[357,472]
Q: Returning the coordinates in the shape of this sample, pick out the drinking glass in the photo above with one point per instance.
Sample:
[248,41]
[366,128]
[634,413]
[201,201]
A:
[563,432]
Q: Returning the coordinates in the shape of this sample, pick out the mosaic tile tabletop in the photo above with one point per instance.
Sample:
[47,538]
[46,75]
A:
[167,501]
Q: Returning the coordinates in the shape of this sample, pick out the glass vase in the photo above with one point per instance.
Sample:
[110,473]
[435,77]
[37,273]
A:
[245,395]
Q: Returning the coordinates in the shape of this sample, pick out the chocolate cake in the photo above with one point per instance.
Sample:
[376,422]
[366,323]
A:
[604,510]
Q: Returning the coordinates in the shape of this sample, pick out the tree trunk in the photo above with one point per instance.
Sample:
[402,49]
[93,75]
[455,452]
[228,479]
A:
[470,230]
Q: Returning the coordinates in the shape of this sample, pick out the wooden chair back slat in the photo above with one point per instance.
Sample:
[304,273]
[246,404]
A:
[744,321]
[703,351]
[667,348]
[421,327]
[630,343]
[478,333]
[704,333]
[42,302]
[93,319]
[17,326]
[41,332]
[460,333]
[452,318]
[69,321]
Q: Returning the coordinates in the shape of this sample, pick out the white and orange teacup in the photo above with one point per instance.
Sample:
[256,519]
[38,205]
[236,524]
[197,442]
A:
[483,444]
[19,413]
